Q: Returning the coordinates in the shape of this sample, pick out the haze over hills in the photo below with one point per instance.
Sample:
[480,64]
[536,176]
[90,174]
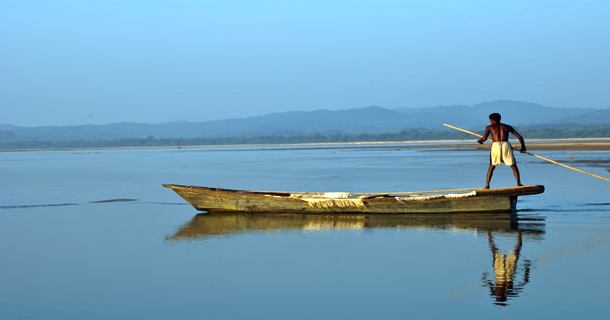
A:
[350,121]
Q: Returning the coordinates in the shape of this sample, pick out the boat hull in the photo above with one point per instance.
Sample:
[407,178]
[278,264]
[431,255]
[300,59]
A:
[438,201]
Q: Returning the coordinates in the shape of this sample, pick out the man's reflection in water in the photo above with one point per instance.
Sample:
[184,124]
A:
[505,270]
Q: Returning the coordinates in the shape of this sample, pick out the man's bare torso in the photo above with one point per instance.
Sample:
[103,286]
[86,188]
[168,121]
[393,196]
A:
[499,131]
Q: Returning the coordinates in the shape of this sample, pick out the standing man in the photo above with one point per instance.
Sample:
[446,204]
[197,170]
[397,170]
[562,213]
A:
[501,149]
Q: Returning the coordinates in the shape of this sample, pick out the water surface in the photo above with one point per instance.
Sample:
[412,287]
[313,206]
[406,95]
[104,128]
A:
[93,235]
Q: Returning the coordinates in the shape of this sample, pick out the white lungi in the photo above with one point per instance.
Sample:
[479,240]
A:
[501,151]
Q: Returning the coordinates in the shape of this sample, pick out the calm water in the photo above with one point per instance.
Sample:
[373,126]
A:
[93,235]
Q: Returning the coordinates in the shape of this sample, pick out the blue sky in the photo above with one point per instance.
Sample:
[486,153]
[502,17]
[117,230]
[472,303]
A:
[75,62]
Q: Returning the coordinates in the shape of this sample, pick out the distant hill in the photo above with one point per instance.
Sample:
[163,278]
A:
[369,120]
[513,112]
[112,131]
[593,117]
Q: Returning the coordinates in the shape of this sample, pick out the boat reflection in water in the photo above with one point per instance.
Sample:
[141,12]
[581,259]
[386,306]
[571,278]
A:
[510,274]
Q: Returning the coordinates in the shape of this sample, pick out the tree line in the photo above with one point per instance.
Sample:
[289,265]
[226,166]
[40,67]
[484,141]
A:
[591,131]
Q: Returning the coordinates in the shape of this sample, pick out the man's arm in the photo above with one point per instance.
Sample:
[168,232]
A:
[485,135]
[521,141]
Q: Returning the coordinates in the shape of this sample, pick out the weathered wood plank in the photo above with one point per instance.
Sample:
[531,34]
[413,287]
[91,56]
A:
[436,201]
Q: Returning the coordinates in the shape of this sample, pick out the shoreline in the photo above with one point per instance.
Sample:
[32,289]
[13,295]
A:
[581,144]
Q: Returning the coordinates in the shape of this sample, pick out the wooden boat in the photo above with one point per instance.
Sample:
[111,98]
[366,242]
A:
[437,201]
[227,223]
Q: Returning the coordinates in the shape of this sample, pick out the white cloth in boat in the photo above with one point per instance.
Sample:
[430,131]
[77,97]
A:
[501,151]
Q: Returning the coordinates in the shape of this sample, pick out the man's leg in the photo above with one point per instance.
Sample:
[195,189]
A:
[490,172]
[516,174]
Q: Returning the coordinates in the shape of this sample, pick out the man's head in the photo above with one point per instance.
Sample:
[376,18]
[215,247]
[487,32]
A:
[495,118]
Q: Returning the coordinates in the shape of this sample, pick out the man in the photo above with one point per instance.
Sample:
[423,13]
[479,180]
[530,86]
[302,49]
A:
[501,150]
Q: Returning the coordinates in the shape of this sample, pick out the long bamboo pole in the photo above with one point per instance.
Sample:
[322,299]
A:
[537,156]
